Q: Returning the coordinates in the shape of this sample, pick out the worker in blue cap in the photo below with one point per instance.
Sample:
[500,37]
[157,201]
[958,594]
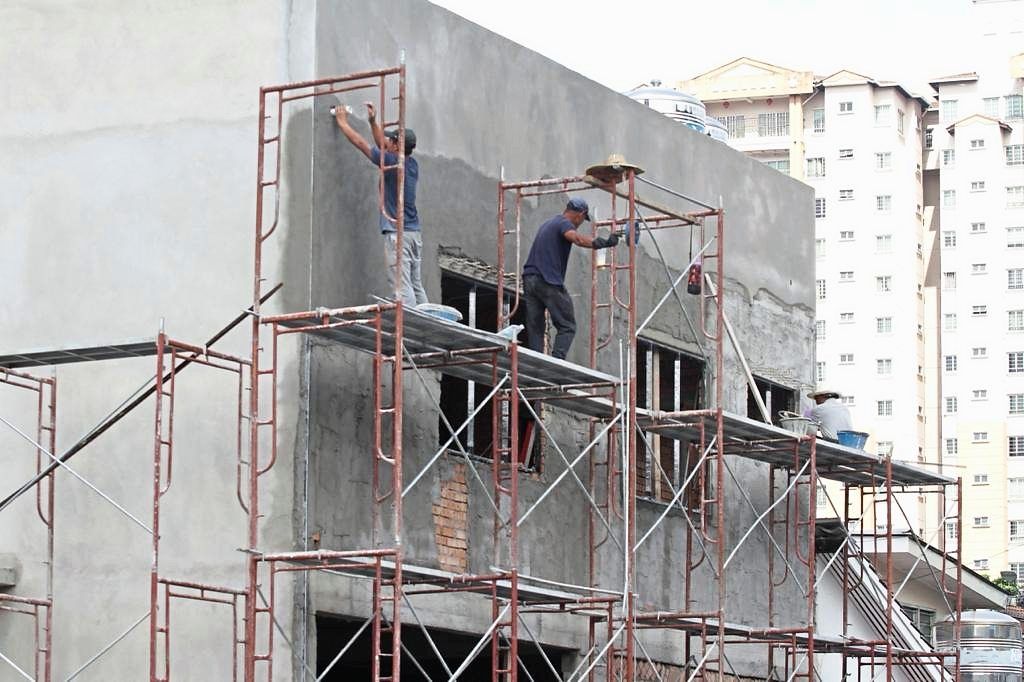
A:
[544,276]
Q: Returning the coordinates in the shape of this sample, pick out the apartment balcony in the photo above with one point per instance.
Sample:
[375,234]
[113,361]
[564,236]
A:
[758,133]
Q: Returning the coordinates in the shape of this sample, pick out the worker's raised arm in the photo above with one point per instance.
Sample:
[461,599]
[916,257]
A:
[580,239]
[341,117]
[375,129]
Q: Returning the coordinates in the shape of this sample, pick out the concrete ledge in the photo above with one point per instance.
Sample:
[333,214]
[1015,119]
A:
[10,570]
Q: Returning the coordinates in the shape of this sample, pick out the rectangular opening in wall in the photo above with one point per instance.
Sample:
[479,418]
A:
[669,380]
[477,301]
[419,661]
[776,397]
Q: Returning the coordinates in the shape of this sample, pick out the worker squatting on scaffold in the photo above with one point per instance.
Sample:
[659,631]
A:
[544,276]
[412,241]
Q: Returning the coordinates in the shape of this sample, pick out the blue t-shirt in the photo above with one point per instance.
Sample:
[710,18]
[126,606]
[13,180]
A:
[412,174]
[549,254]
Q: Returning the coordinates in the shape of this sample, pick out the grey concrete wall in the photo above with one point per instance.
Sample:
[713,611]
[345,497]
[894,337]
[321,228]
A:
[480,103]
[130,160]
[129,165]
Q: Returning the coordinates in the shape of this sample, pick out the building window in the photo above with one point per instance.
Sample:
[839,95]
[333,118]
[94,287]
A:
[978,268]
[883,202]
[949,198]
[978,186]
[1014,154]
[979,352]
[848,400]
[819,208]
[883,448]
[781,165]
[950,404]
[1015,196]
[1015,278]
[1016,531]
[819,248]
[978,228]
[667,380]
[1014,320]
[981,564]
[818,115]
[773,124]
[977,143]
[949,363]
[846,107]
[951,446]
[1015,237]
[1014,106]
[819,284]
[979,437]
[883,243]
[929,137]
[819,372]
[846,275]
[979,394]
[951,530]
[900,119]
[816,167]
[735,125]
[979,310]
[883,160]
[819,330]
[846,235]
[883,283]
[1015,491]
[949,322]
[948,157]
[883,325]
[948,110]
[847,318]
[1016,403]
[990,105]
[980,522]
[882,112]
[845,154]
[884,408]
[948,239]
[1015,446]
[1015,362]
[846,358]
[949,280]
[845,195]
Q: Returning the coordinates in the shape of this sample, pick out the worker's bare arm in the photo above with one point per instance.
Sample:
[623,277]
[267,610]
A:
[341,117]
[375,129]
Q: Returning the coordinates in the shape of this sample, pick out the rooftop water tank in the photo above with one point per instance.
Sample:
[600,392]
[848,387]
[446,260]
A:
[990,645]
[679,106]
[716,129]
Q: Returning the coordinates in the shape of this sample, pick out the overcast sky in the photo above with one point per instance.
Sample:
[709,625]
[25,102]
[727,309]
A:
[625,44]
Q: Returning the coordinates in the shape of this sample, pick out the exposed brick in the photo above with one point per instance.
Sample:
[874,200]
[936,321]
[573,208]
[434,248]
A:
[449,513]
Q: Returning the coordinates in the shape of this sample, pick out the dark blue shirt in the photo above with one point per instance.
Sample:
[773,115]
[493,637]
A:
[412,175]
[549,254]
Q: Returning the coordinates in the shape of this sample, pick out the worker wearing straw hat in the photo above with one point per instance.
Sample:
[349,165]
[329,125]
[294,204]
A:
[830,413]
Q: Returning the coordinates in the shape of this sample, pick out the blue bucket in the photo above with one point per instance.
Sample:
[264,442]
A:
[852,439]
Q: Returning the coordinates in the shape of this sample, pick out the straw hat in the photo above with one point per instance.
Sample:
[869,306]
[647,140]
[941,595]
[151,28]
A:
[613,169]
[823,391]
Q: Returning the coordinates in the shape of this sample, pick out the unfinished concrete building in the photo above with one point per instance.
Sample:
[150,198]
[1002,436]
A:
[317,483]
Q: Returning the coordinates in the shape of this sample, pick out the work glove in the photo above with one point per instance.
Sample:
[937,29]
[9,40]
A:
[605,242]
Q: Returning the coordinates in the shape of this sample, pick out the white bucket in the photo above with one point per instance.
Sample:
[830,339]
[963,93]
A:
[797,424]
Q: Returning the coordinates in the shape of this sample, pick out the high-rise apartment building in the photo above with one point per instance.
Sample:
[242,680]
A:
[975,171]
[859,143]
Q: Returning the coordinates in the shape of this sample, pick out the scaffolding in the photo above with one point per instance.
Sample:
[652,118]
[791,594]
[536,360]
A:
[401,344]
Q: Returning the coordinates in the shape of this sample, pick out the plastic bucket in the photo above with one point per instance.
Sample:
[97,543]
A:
[852,439]
[797,424]
[445,312]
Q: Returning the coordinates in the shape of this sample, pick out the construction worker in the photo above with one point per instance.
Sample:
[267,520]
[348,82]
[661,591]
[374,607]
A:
[412,241]
[544,276]
[830,413]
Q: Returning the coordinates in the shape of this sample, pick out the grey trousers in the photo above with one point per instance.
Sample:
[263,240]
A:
[412,252]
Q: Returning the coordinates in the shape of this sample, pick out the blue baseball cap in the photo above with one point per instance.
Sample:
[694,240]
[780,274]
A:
[580,206]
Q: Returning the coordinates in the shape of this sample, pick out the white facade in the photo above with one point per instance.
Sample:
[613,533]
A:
[978,154]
